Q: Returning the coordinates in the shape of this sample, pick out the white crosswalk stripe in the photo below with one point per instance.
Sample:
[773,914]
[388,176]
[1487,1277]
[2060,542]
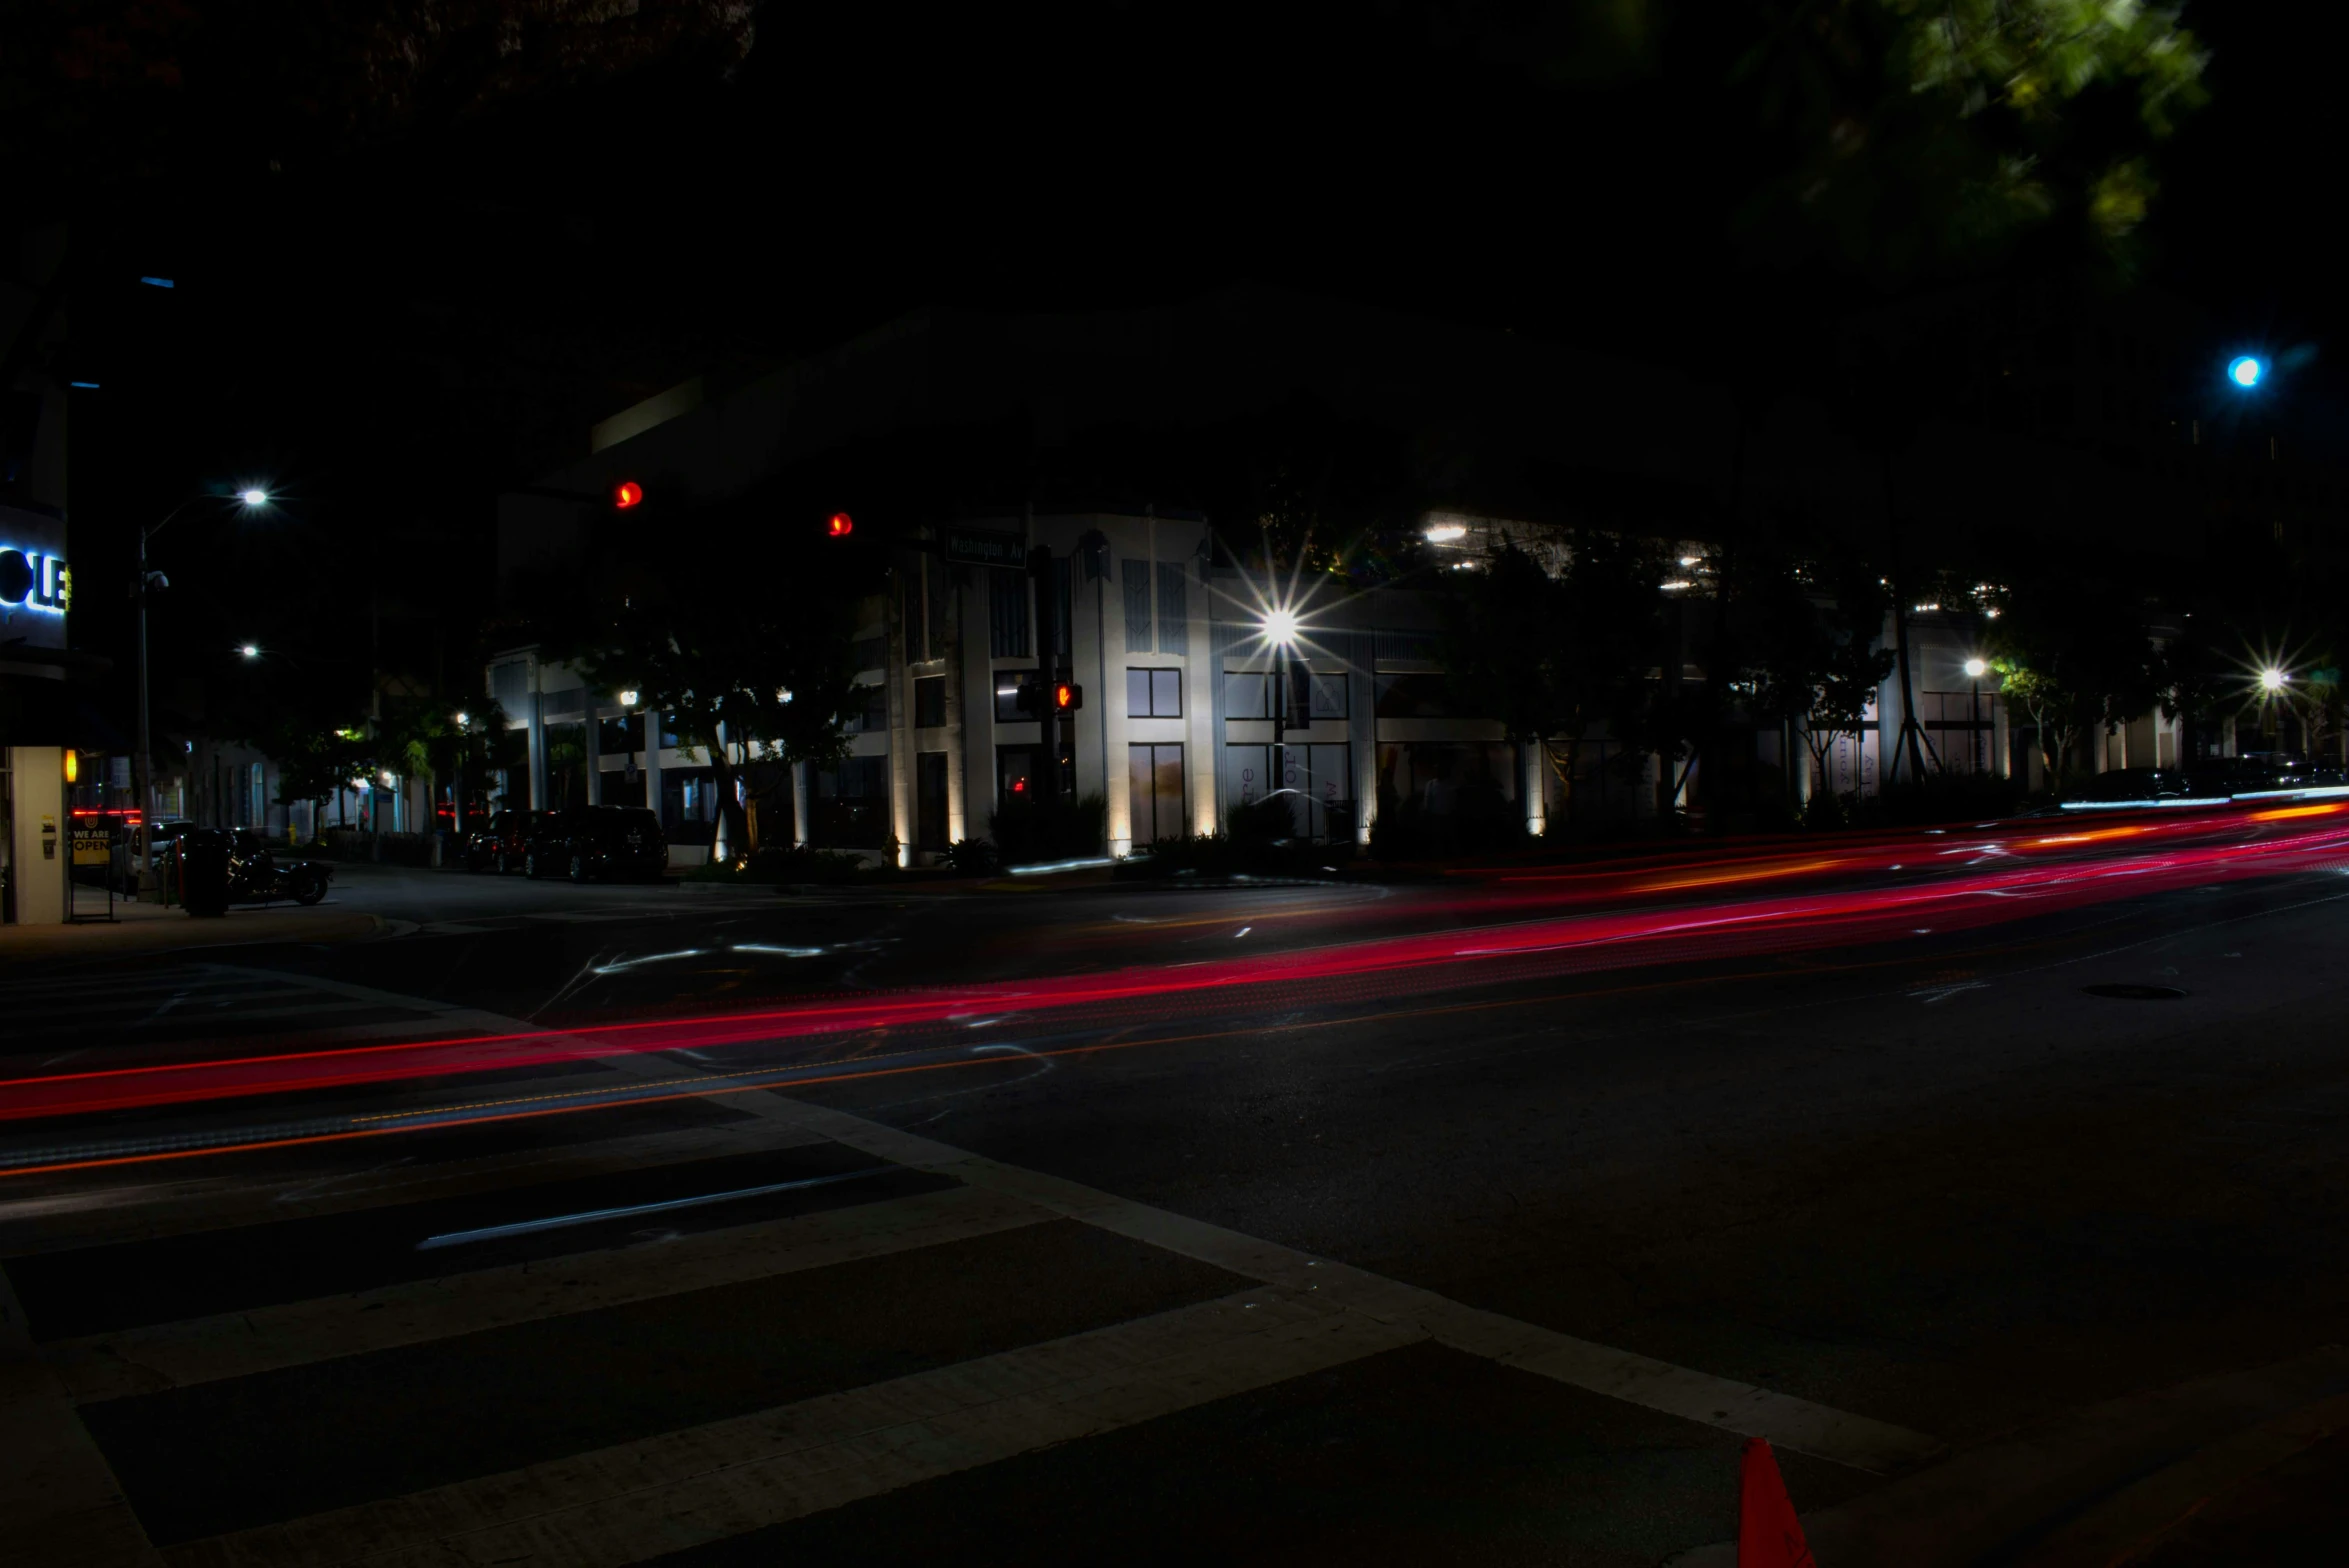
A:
[670,1489]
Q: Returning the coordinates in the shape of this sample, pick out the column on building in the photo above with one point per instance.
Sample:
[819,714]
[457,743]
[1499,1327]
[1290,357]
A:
[1361,647]
[41,838]
[537,720]
[652,761]
[1116,639]
[904,574]
[592,737]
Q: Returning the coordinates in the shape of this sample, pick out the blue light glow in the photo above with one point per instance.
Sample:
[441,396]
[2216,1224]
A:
[159,283]
[2246,370]
[88,386]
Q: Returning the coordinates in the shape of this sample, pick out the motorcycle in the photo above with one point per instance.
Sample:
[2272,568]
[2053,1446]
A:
[257,876]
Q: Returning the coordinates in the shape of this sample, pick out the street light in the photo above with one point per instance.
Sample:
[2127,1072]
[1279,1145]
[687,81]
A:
[1976,668]
[1281,630]
[2246,371]
[250,650]
[252,497]
[2273,680]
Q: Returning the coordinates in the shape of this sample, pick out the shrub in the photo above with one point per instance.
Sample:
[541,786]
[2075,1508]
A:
[783,866]
[972,857]
[1028,828]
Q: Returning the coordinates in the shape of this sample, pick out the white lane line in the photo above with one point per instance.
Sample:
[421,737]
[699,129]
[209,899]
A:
[663,1494]
[138,1212]
[268,1339]
[462,1238]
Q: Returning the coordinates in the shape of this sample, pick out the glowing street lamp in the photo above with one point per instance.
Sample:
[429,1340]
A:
[252,498]
[2246,371]
[250,650]
[2273,680]
[1976,668]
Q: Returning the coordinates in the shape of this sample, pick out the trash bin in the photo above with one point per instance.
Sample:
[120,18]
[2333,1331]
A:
[203,870]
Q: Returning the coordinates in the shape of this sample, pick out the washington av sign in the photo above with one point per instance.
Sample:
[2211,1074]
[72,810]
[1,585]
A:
[36,586]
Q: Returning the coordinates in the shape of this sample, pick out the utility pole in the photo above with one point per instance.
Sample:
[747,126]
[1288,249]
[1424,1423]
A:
[1040,574]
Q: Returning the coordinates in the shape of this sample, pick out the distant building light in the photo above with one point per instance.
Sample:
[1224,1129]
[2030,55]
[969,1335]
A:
[783,694]
[463,718]
[159,283]
[86,386]
[1445,533]
[1676,585]
[1690,560]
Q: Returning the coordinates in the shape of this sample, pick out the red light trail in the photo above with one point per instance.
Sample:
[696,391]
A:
[1393,965]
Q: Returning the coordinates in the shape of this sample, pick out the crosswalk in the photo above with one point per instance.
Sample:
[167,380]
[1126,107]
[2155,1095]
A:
[662,1341]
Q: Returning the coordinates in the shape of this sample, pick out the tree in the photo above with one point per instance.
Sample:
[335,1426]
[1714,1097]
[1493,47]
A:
[1554,656]
[1918,137]
[750,662]
[2075,655]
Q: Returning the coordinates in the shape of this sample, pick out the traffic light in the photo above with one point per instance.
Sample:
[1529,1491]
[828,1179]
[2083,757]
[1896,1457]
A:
[840,525]
[625,494]
[1067,698]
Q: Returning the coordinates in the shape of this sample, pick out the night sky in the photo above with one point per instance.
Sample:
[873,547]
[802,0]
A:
[392,322]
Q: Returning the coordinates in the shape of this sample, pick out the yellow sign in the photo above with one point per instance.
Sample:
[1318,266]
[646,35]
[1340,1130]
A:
[91,847]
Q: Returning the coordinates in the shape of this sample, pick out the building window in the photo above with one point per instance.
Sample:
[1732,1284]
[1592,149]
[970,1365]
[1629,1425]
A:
[930,818]
[1319,695]
[929,701]
[1007,696]
[1174,615]
[619,737]
[1136,577]
[1015,773]
[1007,613]
[869,653]
[1154,694]
[873,717]
[1415,697]
[849,804]
[1156,776]
[1313,694]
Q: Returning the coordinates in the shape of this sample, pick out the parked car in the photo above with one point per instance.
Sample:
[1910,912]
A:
[502,843]
[2125,784]
[588,843]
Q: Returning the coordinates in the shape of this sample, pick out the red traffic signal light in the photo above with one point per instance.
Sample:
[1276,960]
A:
[1067,698]
[841,525]
[626,494]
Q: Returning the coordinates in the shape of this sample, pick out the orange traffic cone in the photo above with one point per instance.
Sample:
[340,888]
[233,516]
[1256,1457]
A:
[1768,1534]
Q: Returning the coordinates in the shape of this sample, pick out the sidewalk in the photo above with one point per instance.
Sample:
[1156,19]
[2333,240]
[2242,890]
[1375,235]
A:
[144,928]
[2227,1471]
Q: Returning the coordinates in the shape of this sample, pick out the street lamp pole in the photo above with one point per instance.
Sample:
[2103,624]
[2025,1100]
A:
[1975,670]
[146,759]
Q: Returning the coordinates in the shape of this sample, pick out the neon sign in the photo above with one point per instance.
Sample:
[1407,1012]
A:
[34,580]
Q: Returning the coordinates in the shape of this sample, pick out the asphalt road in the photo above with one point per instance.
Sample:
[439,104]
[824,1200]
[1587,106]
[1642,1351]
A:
[1995,1177]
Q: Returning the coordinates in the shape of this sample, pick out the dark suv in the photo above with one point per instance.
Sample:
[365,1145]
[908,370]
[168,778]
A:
[503,842]
[590,842]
